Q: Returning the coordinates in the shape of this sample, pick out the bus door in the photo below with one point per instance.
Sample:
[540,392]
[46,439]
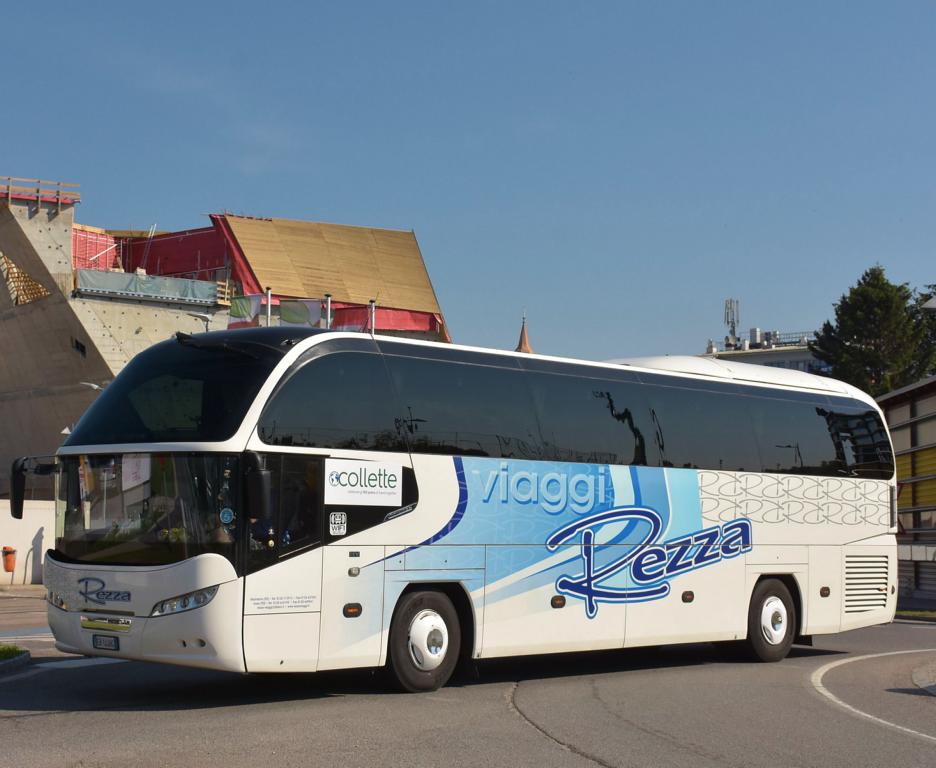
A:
[366,504]
[283,585]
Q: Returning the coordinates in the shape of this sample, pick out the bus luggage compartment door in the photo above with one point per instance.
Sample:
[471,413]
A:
[352,607]
[281,615]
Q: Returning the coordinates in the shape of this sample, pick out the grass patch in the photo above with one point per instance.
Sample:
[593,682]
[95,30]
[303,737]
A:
[9,652]
[931,615]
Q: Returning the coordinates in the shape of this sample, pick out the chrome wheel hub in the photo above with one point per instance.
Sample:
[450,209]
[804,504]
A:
[773,620]
[427,640]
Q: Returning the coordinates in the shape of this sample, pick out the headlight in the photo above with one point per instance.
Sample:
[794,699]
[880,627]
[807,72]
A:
[56,599]
[186,602]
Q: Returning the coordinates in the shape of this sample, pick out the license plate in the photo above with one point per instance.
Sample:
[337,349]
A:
[105,642]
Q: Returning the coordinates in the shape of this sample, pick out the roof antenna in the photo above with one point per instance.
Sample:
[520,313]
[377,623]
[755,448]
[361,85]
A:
[732,318]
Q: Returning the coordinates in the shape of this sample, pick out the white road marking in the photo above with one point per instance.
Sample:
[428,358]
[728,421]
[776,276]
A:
[816,680]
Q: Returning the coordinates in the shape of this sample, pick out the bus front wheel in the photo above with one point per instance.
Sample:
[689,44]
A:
[425,640]
[771,621]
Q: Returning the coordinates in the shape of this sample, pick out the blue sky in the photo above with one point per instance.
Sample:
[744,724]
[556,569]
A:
[617,169]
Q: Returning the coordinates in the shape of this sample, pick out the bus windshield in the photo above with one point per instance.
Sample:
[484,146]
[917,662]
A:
[190,388]
[146,509]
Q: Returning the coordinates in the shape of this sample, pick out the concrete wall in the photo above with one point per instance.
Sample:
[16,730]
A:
[39,240]
[31,537]
[120,329]
[52,345]
[42,363]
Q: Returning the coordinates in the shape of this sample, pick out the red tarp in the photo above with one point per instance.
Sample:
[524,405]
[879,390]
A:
[93,250]
[196,254]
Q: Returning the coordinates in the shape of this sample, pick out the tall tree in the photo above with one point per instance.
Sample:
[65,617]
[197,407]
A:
[881,339]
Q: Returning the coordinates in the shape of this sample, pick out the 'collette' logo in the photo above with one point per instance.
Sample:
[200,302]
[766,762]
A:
[363,478]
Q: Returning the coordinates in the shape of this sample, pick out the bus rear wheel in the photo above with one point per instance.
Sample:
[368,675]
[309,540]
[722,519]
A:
[425,641]
[771,621]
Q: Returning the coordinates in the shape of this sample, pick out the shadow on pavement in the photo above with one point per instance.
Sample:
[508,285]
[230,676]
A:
[609,662]
[137,686]
[909,691]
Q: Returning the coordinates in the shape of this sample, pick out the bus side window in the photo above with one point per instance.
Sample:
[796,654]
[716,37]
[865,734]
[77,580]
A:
[296,504]
[590,419]
[459,408]
[300,502]
[336,401]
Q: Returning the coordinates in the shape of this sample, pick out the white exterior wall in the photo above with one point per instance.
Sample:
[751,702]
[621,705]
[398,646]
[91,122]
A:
[31,537]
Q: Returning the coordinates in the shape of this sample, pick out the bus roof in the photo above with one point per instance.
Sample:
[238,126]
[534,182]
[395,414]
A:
[685,365]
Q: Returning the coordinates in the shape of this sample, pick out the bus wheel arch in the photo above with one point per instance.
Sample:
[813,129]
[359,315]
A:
[437,610]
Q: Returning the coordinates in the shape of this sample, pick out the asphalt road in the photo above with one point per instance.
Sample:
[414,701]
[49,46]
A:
[676,706]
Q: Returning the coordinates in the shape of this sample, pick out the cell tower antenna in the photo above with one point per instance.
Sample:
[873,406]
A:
[732,320]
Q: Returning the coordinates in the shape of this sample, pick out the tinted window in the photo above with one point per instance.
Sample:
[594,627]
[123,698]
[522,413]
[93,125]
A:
[458,408]
[862,437]
[342,400]
[146,509]
[591,420]
[702,429]
[175,391]
[796,437]
[296,503]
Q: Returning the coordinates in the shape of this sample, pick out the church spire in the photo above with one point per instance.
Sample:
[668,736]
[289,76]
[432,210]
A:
[524,344]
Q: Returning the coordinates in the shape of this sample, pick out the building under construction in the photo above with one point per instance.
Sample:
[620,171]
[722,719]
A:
[79,302]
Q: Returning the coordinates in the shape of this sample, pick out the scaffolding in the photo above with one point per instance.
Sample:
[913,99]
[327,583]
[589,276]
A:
[41,190]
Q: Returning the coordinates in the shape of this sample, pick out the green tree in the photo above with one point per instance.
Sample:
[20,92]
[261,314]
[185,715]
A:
[881,339]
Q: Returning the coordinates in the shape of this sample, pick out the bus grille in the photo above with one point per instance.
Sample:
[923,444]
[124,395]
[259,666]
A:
[865,583]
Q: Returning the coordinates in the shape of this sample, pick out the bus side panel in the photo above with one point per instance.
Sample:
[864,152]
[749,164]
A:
[799,510]
[705,599]
[805,526]
[281,615]
[704,605]
[282,642]
[823,615]
[869,576]
[520,618]
[351,641]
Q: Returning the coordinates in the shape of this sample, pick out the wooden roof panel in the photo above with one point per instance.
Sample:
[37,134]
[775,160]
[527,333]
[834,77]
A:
[354,264]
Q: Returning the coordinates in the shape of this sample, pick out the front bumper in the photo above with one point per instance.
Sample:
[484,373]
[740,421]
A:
[208,637]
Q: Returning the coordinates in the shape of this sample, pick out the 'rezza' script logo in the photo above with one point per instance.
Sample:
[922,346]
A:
[94,591]
[648,565]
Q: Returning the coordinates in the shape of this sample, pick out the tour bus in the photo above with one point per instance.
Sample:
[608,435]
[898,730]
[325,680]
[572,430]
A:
[290,500]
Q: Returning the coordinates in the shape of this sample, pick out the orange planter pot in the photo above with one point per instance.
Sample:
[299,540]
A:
[9,559]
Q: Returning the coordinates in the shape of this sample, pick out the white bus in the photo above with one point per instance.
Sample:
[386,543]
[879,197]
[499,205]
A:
[281,500]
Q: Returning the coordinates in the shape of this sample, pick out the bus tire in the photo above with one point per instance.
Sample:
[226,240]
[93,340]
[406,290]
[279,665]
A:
[425,641]
[771,621]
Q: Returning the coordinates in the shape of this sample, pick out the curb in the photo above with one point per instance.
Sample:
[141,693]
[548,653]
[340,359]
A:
[22,590]
[901,619]
[17,663]
[925,678]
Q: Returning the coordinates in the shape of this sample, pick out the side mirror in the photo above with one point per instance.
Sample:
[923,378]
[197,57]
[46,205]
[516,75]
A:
[17,486]
[18,471]
[259,487]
